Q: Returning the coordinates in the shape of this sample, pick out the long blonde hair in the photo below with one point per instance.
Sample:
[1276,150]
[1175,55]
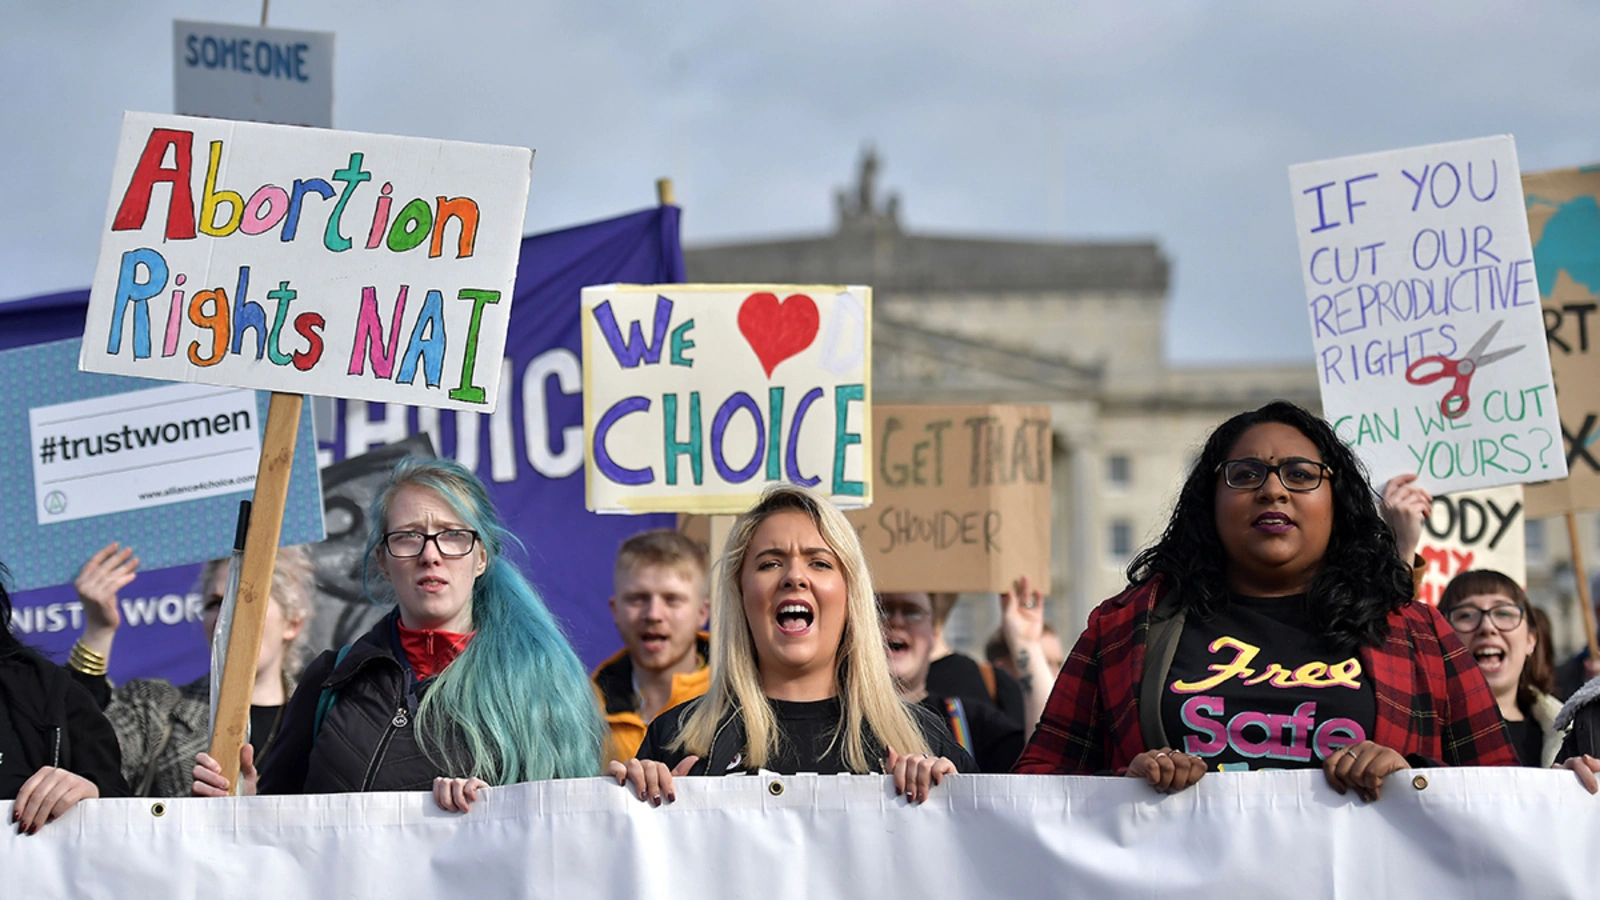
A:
[867,694]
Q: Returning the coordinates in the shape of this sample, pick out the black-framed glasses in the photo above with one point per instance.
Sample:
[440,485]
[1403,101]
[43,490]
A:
[452,542]
[1466,619]
[910,615]
[1296,474]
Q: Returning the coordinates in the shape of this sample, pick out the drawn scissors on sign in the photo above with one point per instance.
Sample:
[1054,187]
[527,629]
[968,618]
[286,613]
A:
[1429,369]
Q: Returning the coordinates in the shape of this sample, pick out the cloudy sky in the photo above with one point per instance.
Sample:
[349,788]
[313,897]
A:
[1172,121]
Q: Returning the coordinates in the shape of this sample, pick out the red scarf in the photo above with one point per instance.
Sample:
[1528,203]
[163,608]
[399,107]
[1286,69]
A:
[430,651]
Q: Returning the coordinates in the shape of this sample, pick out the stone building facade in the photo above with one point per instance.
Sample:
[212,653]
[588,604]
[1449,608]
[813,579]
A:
[1077,326]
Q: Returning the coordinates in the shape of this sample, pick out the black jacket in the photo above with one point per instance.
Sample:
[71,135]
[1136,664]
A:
[959,675]
[367,741]
[727,747]
[56,723]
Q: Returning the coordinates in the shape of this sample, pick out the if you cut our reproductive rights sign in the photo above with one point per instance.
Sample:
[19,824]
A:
[1425,314]
[308,261]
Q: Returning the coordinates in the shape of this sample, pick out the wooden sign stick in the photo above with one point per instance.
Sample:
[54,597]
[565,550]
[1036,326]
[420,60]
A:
[255,582]
[1582,579]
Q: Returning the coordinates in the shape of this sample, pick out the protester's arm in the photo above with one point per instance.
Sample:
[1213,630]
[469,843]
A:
[1022,622]
[1404,505]
[94,752]
[108,571]
[1071,736]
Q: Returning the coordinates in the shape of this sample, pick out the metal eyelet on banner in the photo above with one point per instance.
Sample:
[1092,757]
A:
[775,788]
[1420,782]
[158,809]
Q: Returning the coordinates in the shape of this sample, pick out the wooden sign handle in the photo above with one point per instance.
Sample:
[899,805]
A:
[255,582]
[1584,602]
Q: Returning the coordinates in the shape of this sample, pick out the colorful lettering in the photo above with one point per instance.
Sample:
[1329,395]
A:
[148,173]
[369,343]
[467,391]
[131,291]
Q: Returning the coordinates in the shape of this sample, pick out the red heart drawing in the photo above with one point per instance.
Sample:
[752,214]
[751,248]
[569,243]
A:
[777,331]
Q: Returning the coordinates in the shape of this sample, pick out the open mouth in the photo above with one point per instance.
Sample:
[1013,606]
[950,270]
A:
[897,646]
[431,584]
[1273,523]
[795,617]
[654,641]
[1490,659]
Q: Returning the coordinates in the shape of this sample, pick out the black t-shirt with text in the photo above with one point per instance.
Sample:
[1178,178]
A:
[1257,687]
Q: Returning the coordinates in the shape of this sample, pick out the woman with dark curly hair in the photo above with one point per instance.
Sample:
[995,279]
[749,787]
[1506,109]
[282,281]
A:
[1271,627]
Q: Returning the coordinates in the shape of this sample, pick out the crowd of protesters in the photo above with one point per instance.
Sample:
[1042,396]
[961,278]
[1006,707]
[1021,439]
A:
[1272,625]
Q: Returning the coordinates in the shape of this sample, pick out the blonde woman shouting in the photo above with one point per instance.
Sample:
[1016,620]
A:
[799,680]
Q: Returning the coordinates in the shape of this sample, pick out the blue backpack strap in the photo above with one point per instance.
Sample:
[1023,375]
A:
[329,695]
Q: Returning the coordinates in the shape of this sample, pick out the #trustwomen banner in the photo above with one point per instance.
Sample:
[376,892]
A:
[307,261]
[1425,315]
[1506,832]
[697,396]
[87,459]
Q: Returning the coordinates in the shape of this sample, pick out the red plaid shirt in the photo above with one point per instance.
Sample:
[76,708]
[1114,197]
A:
[1433,704]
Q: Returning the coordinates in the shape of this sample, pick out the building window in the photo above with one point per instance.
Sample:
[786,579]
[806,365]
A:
[1533,537]
[1121,540]
[1119,471]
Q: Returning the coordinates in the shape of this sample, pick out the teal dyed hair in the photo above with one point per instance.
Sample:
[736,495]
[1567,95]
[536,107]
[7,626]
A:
[517,696]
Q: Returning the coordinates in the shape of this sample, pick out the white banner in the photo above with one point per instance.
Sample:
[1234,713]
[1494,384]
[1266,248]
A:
[1434,833]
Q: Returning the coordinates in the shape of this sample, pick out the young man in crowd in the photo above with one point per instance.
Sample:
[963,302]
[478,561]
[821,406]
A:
[661,603]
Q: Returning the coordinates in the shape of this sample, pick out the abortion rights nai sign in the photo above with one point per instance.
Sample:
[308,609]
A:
[307,261]
[1425,314]
[697,396]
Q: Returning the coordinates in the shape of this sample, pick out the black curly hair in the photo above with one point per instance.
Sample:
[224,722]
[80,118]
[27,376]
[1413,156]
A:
[1362,578]
[9,644]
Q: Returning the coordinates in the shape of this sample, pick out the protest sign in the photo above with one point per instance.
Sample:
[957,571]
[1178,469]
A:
[254,74]
[961,498]
[229,257]
[88,459]
[1564,223]
[1437,832]
[529,454]
[1425,315]
[695,396]
[1480,529]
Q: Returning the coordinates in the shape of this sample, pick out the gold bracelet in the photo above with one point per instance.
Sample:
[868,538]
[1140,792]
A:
[87,661]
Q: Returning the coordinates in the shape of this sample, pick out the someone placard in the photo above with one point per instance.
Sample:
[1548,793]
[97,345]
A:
[696,396]
[308,261]
[1481,529]
[1425,314]
[1564,222]
[276,75]
[88,459]
[961,498]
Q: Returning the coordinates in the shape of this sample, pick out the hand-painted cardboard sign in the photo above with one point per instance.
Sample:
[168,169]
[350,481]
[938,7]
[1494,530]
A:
[1473,530]
[90,459]
[961,498]
[1425,314]
[308,261]
[696,396]
[253,74]
[1564,222]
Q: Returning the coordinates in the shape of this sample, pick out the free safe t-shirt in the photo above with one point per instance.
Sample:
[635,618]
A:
[1257,687]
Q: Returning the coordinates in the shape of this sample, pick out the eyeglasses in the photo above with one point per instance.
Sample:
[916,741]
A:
[910,615]
[1465,619]
[1295,474]
[452,542]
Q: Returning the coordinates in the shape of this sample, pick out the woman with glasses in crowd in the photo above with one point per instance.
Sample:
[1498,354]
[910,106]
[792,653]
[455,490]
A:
[799,680]
[1492,616]
[467,683]
[1271,626]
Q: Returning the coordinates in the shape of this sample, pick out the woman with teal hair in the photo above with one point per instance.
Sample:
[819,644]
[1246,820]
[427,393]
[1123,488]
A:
[468,682]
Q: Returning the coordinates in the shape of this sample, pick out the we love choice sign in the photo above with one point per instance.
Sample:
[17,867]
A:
[697,396]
